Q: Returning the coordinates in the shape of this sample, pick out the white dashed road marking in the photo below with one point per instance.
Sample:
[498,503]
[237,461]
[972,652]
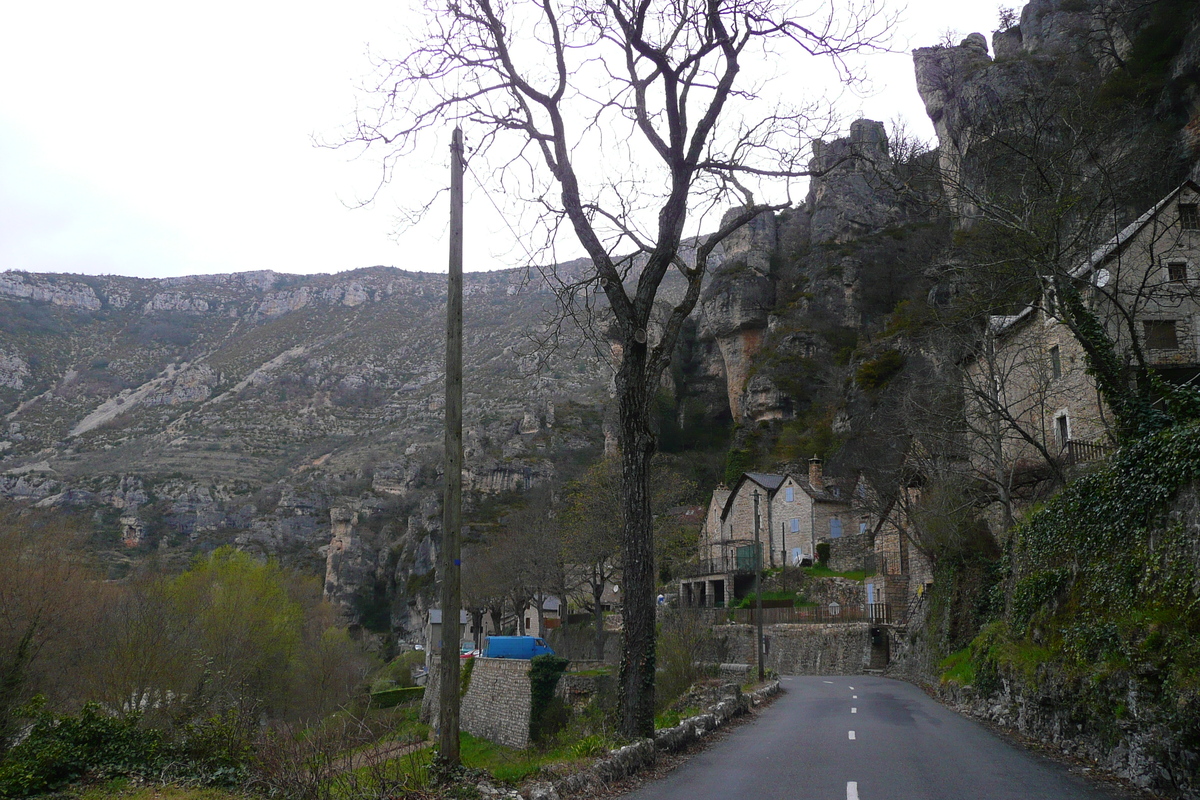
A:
[853,710]
[853,697]
[852,688]
[851,735]
[826,681]
[852,790]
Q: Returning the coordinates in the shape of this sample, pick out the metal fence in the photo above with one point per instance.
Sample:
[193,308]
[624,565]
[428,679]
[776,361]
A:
[879,613]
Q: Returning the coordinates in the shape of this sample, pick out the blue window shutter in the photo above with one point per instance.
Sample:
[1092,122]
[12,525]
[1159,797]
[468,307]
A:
[835,528]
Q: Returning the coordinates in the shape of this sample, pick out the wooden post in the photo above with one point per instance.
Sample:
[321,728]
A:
[449,563]
[758,565]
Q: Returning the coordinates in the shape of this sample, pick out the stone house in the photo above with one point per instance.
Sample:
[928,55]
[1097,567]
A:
[550,615]
[793,514]
[805,511]
[901,571]
[1028,394]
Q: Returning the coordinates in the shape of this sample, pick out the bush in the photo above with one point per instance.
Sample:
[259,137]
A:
[685,643]
[61,749]
[388,698]
[823,553]
[58,750]
[875,373]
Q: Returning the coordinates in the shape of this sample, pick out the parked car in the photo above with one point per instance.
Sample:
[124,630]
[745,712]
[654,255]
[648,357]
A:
[516,647]
[467,650]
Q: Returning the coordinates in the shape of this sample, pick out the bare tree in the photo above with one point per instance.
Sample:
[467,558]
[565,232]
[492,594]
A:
[656,91]
[591,540]
[481,588]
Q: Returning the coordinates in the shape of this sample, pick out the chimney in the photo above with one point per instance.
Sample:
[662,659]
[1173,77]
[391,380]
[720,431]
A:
[816,478]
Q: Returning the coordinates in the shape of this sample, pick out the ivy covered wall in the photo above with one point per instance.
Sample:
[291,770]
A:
[1089,624]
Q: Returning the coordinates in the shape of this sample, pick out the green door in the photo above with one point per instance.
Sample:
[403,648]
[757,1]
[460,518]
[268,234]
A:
[746,557]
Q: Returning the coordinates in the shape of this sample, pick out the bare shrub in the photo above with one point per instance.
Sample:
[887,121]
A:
[346,758]
[686,645]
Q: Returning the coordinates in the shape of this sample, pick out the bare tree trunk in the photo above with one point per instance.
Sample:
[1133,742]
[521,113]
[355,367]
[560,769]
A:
[598,612]
[477,624]
[637,546]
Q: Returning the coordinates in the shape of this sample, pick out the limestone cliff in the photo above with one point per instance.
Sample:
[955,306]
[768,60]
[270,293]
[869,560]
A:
[1142,54]
[799,268]
[260,409]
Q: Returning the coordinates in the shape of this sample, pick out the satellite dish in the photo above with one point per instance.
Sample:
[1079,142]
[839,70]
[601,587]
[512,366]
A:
[1103,276]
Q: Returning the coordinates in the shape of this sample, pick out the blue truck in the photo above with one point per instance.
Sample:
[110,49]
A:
[516,647]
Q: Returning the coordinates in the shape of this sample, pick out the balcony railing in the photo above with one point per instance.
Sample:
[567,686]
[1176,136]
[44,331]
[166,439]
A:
[716,566]
[1079,451]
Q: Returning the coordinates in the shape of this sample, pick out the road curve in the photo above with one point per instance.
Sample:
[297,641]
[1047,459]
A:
[866,738]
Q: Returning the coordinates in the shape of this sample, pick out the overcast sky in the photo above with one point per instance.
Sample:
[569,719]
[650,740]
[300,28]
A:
[158,138]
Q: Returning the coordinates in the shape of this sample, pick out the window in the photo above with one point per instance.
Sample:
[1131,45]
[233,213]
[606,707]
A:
[1177,272]
[527,623]
[1055,362]
[862,527]
[835,528]
[1160,334]
[1189,217]
[795,526]
[1062,430]
[790,494]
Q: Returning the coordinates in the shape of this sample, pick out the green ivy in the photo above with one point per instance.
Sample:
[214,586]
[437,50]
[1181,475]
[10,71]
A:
[546,713]
[58,750]
[1101,591]
[464,676]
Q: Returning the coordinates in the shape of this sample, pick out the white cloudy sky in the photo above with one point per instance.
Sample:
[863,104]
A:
[155,138]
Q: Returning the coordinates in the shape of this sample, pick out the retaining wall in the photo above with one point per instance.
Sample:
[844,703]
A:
[496,705]
[841,649]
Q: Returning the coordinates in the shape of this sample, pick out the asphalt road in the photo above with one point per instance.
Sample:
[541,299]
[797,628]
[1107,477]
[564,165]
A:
[866,738]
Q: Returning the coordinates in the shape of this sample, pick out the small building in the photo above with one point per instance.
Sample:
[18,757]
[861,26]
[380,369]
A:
[778,518]
[551,606]
[433,633]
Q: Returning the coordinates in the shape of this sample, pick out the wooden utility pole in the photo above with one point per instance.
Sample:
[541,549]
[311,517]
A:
[450,564]
[758,565]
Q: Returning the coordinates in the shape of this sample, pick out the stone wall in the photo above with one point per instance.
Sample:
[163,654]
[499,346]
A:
[843,591]
[846,553]
[496,705]
[841,649]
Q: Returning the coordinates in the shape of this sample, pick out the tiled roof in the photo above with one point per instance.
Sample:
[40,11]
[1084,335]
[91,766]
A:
[768,480]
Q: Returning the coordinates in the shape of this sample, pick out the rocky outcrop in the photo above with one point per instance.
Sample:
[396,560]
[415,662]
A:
[737,302]
[13,371]
[176,301]
[965,92]
[1060,43]
[350,563]
[850,194]
[57,290]
[853,194]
